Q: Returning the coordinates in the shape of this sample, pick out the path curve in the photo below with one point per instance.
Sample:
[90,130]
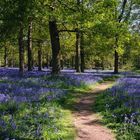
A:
[87,122]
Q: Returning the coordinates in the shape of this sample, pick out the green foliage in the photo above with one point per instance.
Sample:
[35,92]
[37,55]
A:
[114,111]
[37,120]
[97,20]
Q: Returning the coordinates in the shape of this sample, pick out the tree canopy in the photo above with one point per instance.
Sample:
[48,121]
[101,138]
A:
[74,33]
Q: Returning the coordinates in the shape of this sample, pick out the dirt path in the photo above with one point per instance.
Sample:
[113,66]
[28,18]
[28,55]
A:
[87,123]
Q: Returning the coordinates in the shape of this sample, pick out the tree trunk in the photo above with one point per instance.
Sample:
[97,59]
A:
[13,60]
[77,57]
[5,57]
[116,62]
[116,55]
[103,66]
[30,58]
[55,43]
[39,58]
[72,62]
[21,50]
[82,53]
[47,61]
[62,64]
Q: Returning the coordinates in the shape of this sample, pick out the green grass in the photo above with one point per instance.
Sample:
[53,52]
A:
[38,120]
[43,120]
[110,78]
[113,116]
[50,120]
[137,71]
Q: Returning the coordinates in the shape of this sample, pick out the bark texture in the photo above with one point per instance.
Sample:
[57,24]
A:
[116,55]
[21,49]
[29,43]
[77,56]
[82,53]
[39,58]
[5,56]
[116,62]
[55,43]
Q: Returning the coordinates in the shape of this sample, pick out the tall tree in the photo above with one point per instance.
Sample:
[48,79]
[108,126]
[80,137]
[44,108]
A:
[82,53]
[39,56]
[5,56]
[55,43]
[29,45]
[77,55]
[116,54]
[21,49]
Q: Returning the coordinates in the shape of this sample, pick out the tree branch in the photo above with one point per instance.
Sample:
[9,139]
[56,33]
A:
[122,10]
[66,30]
[129,12]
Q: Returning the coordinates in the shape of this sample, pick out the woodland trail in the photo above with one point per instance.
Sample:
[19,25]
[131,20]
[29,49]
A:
[87,123]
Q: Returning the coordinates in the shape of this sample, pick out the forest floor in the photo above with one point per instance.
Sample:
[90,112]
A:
[88,123]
